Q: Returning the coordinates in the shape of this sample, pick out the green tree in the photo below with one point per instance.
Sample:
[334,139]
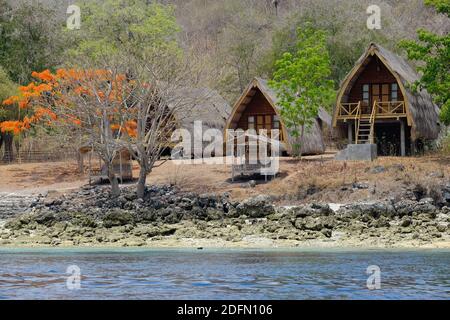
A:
[29,39]
[433,51]
[302,83]
[442,6]
[347,18]
[139,28]
[7,89]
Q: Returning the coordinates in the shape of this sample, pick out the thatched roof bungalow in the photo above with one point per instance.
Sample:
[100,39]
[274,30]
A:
[258,108]
[375,104]
[199,104]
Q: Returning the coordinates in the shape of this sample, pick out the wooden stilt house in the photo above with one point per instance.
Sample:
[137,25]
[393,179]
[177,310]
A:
[376,104]
[257,109]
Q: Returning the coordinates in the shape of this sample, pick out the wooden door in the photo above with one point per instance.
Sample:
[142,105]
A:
[380,93]
[375,94]
[263,122]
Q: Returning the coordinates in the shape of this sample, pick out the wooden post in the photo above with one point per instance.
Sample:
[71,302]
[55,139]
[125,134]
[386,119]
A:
[90,167]
[402,139]
[120,163]
[131,167]
[350,132]
[80,159]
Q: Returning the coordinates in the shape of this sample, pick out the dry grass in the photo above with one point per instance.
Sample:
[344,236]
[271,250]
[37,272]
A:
[312,179]
[37,177]
[333,181]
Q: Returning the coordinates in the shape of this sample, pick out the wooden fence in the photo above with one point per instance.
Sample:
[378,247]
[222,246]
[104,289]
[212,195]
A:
[38,156]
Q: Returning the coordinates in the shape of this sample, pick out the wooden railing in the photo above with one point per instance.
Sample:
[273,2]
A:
[349,110]
[357,122]
[373,118]
[388,109]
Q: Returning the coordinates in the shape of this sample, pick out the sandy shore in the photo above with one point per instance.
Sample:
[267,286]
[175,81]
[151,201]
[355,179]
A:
[221,244]
[249,242]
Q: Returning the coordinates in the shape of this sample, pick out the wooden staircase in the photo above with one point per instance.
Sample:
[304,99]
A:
[363,132]
[365,127]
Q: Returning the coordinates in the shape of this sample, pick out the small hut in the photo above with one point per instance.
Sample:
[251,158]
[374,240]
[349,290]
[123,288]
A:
[376,105]
[97,169]
[257,109]
[200,104]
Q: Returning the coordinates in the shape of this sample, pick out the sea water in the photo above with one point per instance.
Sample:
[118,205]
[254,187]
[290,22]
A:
[224,274]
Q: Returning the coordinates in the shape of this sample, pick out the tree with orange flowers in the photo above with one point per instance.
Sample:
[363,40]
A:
[9,124]
[85,103]
[110,109]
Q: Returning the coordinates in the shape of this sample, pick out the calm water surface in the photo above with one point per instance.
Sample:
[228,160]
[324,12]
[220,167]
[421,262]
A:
[224,274]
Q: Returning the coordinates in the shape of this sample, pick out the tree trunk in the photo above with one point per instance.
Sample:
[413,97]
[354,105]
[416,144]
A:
[300,148]
[80,161]
[115,190]
[141,183]
[8,141]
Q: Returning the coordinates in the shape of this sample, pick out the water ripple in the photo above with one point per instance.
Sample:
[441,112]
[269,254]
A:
[228,274]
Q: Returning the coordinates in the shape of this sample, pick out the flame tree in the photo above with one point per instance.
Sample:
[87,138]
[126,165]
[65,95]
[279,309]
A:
[7,129]
[109,110]
[125,102]
[84,103]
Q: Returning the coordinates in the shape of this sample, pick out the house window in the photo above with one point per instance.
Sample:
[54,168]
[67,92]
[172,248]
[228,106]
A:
[366,93]
[268,123]
[251,122]
[259,123]
[276,122]
[394,92]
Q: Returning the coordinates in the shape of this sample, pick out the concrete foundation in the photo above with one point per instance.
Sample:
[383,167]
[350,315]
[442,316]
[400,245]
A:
[358,152]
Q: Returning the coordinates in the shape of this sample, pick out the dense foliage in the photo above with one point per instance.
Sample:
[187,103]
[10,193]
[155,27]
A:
[227,43]
[302,82]
[433,51]
[29,39]
[115,27]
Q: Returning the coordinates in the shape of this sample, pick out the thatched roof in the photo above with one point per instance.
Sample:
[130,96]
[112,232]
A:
[201,104]
[195,104]
[314,142]
[422,113]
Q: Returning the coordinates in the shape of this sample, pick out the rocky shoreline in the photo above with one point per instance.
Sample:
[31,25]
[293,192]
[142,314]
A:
[171,218]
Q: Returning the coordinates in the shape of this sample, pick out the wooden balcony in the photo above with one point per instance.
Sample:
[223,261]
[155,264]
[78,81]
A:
[379,110]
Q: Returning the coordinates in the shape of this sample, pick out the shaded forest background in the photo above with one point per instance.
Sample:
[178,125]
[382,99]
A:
[235,40]
[229,42]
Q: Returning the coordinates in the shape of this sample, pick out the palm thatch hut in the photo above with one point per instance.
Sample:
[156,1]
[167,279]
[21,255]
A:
[258,108]
[375,104]
[98,170]
[198,110]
